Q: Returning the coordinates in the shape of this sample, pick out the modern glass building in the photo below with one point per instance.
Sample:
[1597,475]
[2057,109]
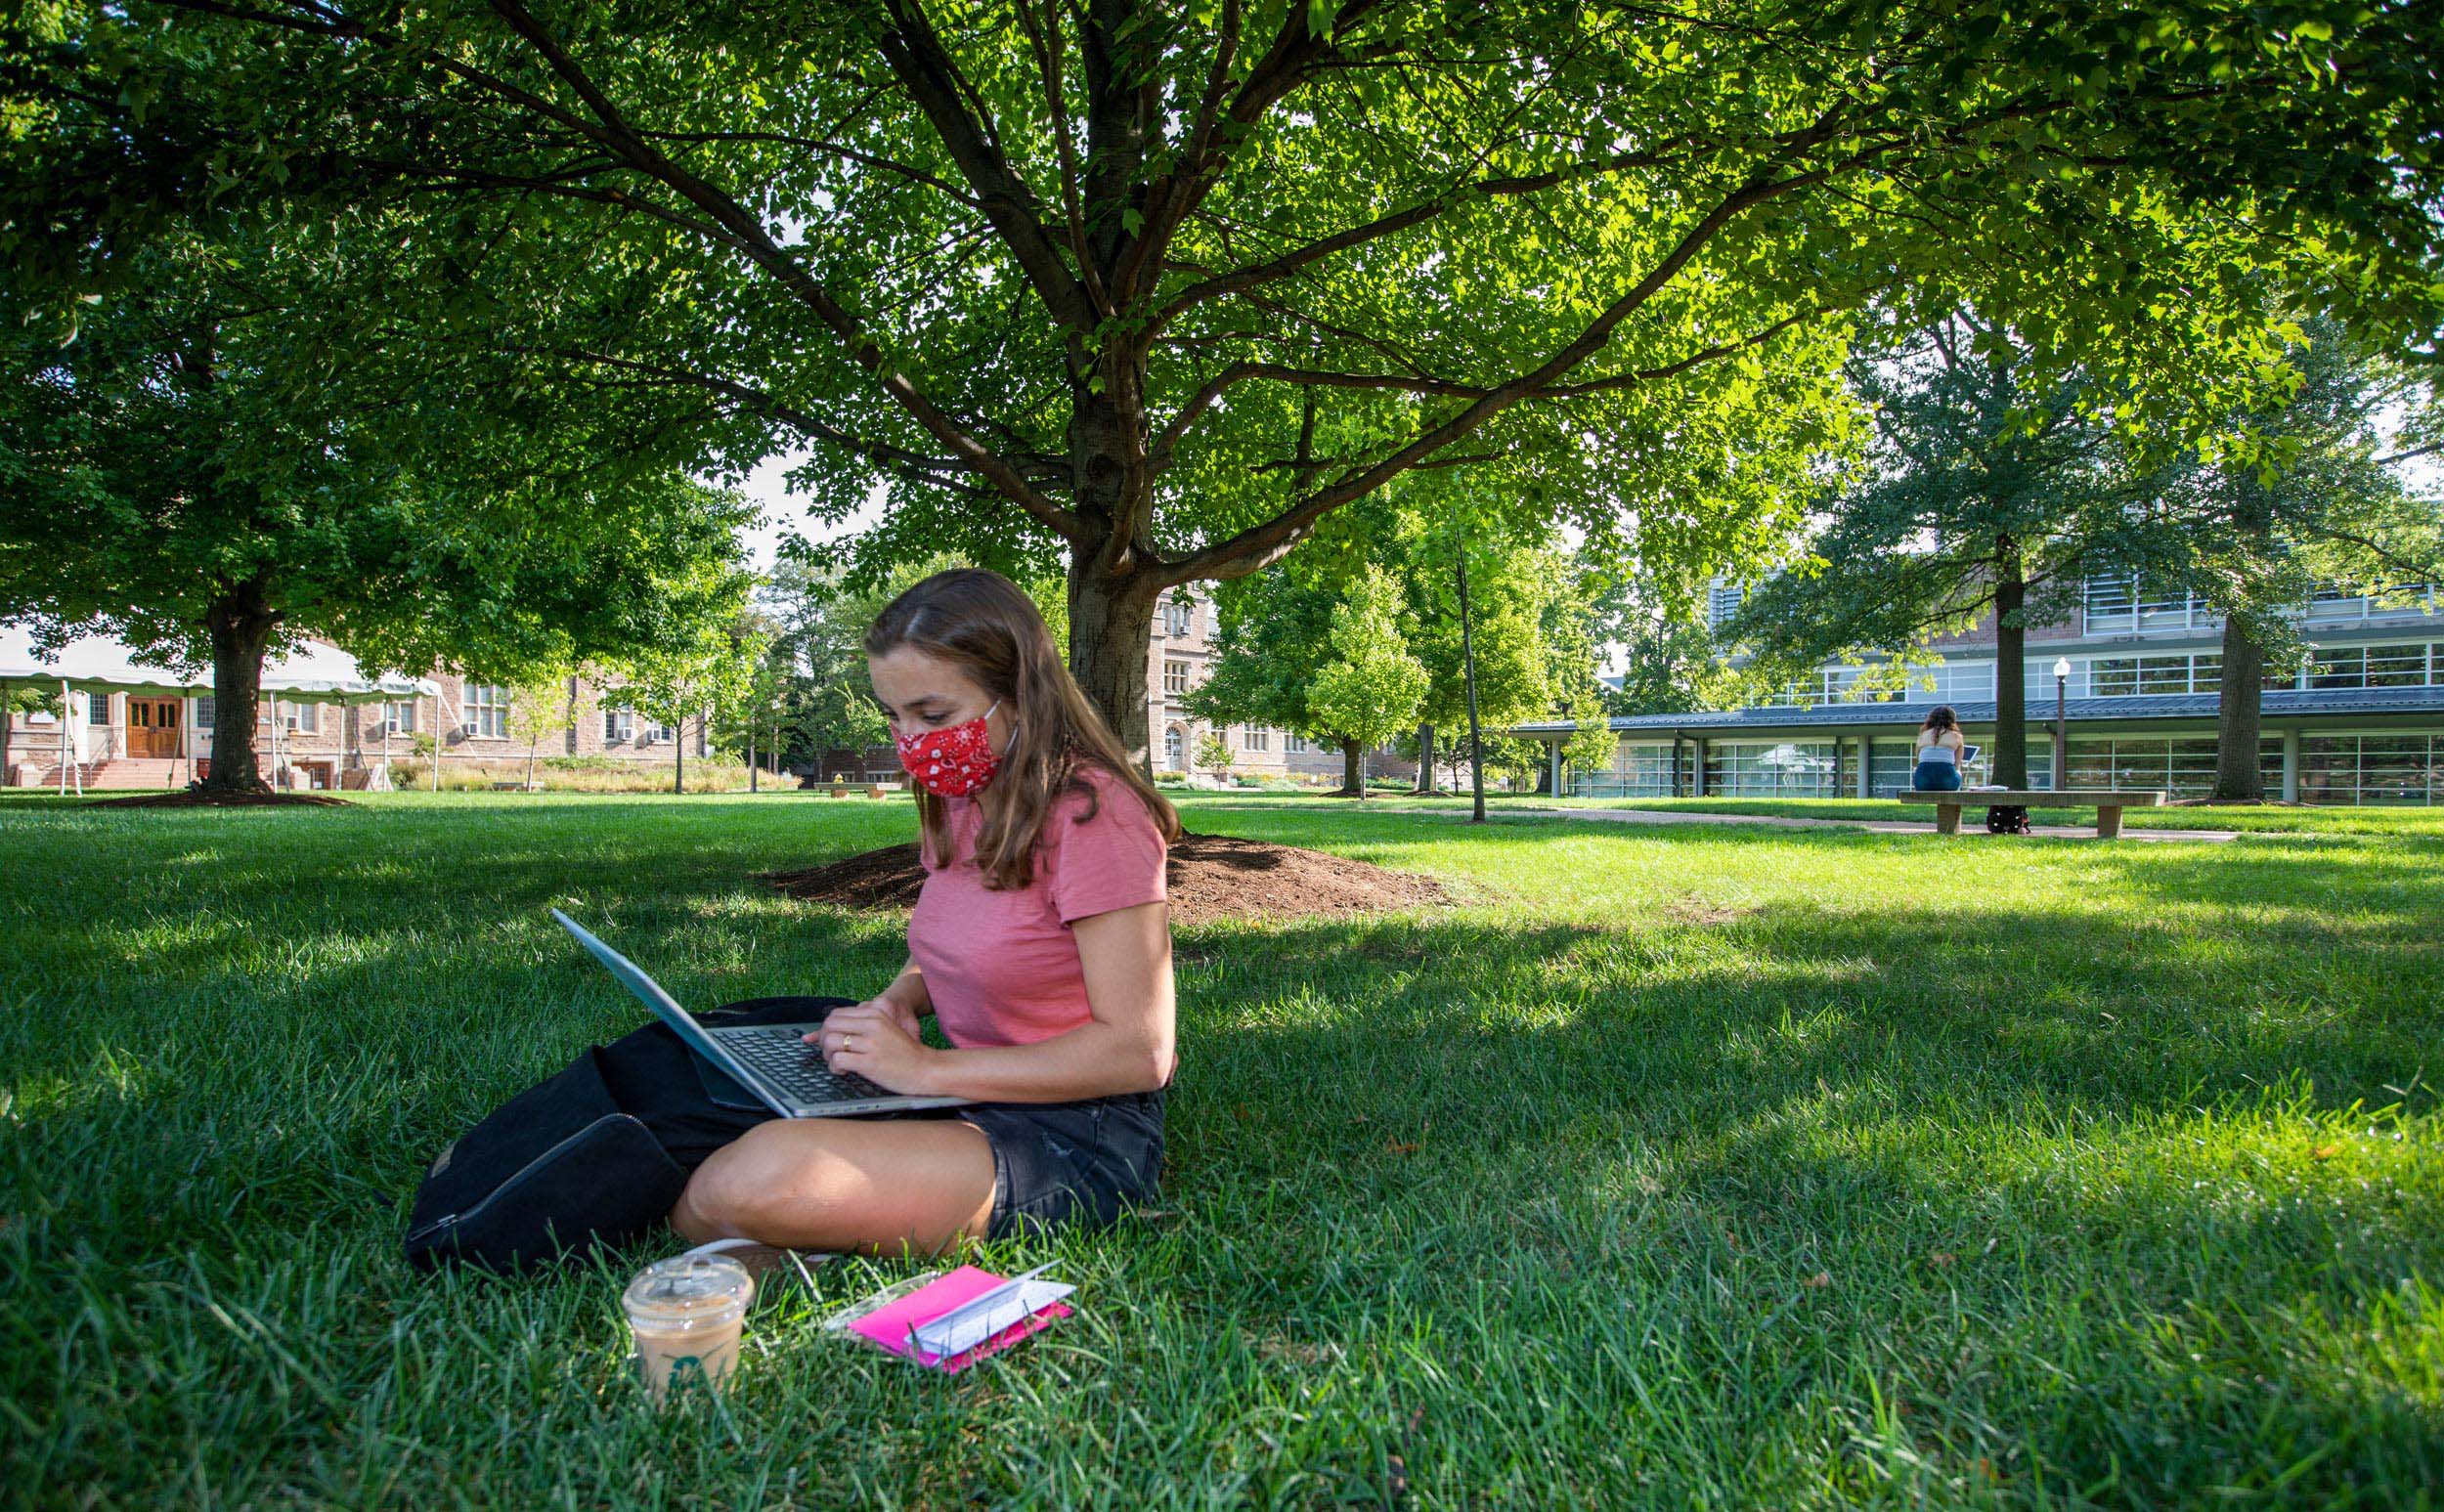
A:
[2361,721]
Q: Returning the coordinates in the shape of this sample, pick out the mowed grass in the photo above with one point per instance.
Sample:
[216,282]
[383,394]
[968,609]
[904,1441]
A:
[2377,821]
[1678,1166]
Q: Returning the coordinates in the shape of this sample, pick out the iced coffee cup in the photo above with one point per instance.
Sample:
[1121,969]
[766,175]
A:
[686,1313]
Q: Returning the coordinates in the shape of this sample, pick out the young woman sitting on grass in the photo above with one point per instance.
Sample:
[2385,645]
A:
[1041,942]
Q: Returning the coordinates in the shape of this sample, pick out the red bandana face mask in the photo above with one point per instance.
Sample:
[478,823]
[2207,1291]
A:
[950,763]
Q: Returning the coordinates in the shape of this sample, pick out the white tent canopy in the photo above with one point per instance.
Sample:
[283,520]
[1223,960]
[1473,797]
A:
[96,663]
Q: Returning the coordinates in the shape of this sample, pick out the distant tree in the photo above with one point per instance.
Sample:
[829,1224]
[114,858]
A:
[2306,492]
[541,705]
[1215,753]
[693,681]
[1372,687]
[170,482]
[1991,490]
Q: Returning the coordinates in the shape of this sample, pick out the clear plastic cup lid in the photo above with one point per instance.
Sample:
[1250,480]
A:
[689,1291]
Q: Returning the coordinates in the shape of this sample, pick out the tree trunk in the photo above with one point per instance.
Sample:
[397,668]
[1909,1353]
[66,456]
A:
[1426,761]
[2011,672]
[1353,771]
[678,755]
[240,622]
[1112,624]
[2238,726]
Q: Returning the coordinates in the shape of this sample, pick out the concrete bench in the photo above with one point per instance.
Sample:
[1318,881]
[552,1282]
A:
[2108,803]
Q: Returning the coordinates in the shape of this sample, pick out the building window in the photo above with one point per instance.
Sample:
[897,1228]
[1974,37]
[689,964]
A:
[2372,768]
[1787,768]
[1174,677]
[2110,598]
[658,735]
[2397,667]
[1179,617]
[207,712]
[1254,737]
[401,714]
[1173,754]
[1639,769]
[1295,744]
[1722,601]
[309,716]
[619,727]
[488,709]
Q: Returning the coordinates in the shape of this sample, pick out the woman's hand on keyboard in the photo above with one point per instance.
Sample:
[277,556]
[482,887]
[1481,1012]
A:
[877,1040]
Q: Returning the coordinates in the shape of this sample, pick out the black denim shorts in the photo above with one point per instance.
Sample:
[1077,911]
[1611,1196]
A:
[1057,1163]
[1054,1163]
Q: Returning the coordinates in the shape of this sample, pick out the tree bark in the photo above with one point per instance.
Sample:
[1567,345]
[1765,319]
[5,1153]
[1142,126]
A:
[678,755]
[1425,759]
[2238,722]
[2011,671]
[1353,771]
[1112,624]
[240,622]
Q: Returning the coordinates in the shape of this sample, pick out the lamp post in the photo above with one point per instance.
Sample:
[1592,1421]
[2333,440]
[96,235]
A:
[1467,658]
[2062,741]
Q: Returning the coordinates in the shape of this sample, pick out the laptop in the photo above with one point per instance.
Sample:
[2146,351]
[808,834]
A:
[1968,753]
[786,1073]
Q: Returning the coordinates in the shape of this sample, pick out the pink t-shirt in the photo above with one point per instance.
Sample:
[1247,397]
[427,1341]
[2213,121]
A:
[1002,967]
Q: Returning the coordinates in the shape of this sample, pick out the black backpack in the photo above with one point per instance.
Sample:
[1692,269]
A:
[596,1154]
[2006,819]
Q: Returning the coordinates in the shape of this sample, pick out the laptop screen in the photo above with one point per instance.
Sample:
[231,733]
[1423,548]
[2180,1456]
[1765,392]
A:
[648,992]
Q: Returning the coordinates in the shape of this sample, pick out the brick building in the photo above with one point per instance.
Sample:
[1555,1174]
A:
[132,739]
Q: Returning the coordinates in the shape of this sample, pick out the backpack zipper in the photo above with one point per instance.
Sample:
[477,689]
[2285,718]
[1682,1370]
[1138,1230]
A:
[510,1181]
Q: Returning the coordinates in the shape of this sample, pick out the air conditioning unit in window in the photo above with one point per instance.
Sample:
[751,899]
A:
[289,722]
[468,730]
[383,730]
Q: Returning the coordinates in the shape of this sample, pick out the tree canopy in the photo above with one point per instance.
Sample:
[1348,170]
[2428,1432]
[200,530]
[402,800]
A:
[172,482]
[1992,488]
[1155,288]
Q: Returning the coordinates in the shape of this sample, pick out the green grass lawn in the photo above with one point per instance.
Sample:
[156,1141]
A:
[1699,1165]
[2271,819]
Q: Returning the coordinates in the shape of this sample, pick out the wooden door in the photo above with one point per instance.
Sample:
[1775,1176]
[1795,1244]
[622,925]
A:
[153,725]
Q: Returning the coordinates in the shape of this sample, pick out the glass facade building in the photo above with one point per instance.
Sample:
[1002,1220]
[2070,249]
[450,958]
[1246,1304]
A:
[2358,721]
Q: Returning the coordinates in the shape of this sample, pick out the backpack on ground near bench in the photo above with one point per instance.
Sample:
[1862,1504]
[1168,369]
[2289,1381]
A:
[2007,819]
[596,1154]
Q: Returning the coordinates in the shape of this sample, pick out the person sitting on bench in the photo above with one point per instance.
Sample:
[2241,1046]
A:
[1940,743]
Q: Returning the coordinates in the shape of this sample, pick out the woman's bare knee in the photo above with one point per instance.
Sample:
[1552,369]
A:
[751,1187]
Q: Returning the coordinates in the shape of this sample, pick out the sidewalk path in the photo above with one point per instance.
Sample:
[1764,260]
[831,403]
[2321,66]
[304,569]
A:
[1968,826]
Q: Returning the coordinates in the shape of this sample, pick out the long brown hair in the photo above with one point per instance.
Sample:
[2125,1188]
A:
[1940,718]
[978,621]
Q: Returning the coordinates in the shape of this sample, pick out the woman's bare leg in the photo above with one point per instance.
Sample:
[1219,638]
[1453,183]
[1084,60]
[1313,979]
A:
[841,1184]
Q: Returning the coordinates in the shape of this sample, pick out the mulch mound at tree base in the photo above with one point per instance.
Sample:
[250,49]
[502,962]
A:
[184,799]
[1211,876]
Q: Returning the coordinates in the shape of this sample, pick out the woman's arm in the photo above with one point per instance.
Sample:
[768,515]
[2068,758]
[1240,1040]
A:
[907,995]
[1127,1047]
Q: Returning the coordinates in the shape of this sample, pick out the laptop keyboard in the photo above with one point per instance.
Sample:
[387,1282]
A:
[796,1067]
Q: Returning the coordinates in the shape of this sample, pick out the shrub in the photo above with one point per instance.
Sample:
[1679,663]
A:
[574,774]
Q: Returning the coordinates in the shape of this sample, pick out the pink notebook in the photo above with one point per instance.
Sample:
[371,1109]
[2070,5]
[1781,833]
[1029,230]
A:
[894,1325]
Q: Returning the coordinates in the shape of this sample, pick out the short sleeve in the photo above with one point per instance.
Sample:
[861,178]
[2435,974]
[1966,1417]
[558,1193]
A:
[1113,861]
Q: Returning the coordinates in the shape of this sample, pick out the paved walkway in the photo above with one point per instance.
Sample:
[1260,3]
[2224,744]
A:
[1971,823]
